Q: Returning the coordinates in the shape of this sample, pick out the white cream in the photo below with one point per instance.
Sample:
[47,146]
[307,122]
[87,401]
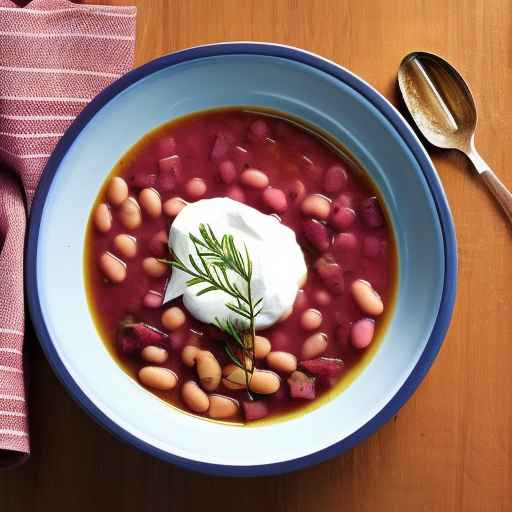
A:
[278,262]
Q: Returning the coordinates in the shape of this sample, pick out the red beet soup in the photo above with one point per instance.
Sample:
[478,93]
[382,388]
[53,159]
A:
[280,167]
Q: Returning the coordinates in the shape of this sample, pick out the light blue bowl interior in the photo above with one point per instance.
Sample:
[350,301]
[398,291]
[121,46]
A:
[293,88]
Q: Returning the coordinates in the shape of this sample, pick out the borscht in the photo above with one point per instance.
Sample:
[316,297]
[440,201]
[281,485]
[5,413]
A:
[240,265]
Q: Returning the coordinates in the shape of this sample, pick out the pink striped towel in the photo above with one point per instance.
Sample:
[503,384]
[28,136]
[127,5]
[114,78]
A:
[54,57]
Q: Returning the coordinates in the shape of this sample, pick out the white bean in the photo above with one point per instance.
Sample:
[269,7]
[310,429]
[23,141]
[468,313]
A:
[282,361]
[234,377]
[264,382]
[189,354]
[222,407]
[194,397]
[367,298]
[126,245]
[262,347]
[174,206]
[254,178]
[208,370]
[153,354]
[103,218]
[311,319]
[314,346]
[153,267]
[196,188]
[149,199]
[117,190]
[316,206]
[158,378]
[113,268]
[129,213]
[173,318]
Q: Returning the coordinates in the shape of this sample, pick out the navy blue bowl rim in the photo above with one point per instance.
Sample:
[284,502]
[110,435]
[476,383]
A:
[450,250]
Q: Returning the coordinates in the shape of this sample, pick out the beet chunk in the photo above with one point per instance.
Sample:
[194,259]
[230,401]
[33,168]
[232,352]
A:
[331,274]
[301,386]
[317,234]
[371,212]
[323,366]
[133,337]
[255,410]
[169,174]
[146,335]
[221,145]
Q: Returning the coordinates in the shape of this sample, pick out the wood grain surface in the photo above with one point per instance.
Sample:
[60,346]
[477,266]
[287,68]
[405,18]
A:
[450,447]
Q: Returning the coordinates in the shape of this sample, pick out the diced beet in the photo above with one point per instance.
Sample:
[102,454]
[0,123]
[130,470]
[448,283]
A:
[170,172]
[148,335]
[255,410]
[371,212]
[166,182]
[323,366]
[169,164]
[317,234]
[142,180]
[302,386]
[331,274]
[221,145]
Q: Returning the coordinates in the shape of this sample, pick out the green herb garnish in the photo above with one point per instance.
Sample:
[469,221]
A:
[214,258]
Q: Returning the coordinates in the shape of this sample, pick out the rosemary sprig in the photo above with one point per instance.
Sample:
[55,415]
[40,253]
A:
[214,258]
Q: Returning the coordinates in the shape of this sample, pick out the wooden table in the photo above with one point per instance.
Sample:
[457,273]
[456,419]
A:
[450,446]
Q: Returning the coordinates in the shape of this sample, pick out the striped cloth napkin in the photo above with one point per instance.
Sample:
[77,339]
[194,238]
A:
[54,57]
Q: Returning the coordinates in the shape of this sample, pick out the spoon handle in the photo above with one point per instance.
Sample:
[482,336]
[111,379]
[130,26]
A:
[499,191]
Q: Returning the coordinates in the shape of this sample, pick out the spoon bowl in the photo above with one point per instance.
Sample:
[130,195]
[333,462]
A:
[443,108]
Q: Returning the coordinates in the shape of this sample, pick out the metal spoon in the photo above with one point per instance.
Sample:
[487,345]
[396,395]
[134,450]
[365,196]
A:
[443,108]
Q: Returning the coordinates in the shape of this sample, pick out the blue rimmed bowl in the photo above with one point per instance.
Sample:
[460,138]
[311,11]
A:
[321,93]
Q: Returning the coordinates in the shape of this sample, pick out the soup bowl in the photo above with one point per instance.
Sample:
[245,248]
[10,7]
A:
[322,94]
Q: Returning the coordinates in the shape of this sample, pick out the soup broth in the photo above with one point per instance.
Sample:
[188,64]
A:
[279,167]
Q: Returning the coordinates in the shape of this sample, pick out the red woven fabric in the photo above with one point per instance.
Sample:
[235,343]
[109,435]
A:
[54,57]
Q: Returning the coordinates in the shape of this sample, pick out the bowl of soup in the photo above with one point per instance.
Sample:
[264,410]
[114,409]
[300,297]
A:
[240,259]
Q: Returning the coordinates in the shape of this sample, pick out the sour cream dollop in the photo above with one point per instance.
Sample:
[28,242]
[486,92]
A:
[278,262]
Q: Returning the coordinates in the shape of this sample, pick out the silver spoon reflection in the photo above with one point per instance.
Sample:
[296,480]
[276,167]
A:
[443,108]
